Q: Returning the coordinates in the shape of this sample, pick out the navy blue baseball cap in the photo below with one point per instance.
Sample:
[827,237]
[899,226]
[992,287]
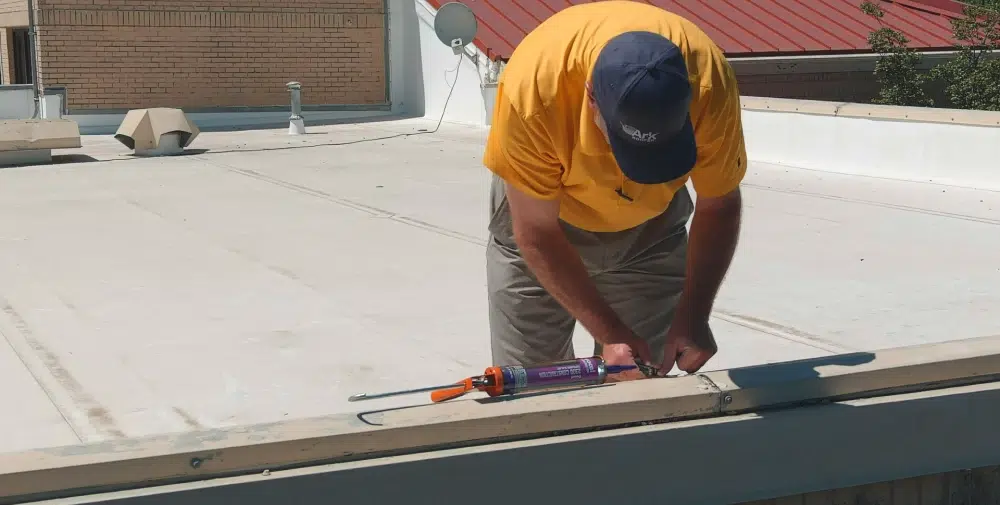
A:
[641,88]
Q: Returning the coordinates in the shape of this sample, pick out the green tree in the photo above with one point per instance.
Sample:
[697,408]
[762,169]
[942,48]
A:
[989,4]
[896,68]
[972,78]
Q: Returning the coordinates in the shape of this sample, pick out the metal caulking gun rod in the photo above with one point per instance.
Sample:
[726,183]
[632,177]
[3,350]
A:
[366,396]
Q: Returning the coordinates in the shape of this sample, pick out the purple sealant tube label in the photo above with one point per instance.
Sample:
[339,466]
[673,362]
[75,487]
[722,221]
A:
[581,371]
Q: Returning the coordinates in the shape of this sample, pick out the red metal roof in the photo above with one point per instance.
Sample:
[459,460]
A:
[745,27]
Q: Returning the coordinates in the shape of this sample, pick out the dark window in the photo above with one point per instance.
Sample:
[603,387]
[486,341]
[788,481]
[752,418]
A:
[24,68]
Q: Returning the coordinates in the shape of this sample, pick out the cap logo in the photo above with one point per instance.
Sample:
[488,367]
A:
[637,135]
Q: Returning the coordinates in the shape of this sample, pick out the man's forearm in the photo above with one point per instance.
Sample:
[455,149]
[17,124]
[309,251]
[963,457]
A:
[712,242]
[561,272]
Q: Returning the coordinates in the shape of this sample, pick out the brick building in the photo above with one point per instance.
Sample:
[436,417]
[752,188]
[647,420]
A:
[200,54]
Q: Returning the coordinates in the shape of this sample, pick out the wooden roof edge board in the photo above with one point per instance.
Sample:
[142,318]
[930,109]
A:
[248,449]
[964,117]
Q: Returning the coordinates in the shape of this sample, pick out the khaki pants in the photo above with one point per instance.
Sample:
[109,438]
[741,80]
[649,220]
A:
[639,271]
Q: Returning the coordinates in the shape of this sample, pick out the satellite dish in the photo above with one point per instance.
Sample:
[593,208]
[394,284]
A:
[455,25]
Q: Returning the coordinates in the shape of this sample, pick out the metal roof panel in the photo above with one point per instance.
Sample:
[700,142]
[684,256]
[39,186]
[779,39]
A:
[745,27]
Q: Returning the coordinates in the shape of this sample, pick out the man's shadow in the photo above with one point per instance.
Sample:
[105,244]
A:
[777,385]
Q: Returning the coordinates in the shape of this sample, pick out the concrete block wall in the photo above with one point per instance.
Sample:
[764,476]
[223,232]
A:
[839,86]
[121,54]
[835,78]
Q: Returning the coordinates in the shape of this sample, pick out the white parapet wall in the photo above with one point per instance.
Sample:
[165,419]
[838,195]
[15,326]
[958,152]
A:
[947,146]
[425,70]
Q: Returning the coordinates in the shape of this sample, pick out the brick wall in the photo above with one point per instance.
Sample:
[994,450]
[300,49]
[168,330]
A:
[833,86]
[6,63]
[13,13]
[118,54]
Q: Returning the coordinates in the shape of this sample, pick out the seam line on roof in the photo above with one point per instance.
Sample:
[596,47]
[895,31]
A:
[749,33]
[778,331]
[884,205]
[702,22]
[511,43]
[856,16]
[915,32]
[769,13]
[830,20]
[531,14]
[883,178]
[834,33]
[921,6]
[46,390]
[768,26]
[372,211]
[815,26]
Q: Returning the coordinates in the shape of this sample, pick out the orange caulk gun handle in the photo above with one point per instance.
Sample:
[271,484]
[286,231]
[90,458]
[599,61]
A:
[443,395]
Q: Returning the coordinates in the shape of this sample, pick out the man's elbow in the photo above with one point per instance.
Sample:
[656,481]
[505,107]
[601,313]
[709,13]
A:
[530,239]
[535,220]
[730,203]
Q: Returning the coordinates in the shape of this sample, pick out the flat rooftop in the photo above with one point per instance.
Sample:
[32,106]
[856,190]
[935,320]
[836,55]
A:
[264,277]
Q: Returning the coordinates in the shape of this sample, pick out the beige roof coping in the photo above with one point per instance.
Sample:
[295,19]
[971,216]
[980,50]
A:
[374,432]
[29,134]
[872,111]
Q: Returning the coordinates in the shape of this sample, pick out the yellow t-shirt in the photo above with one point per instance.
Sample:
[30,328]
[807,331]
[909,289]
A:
[544,140]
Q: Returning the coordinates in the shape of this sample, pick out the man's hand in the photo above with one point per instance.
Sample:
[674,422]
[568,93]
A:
[690,344]
[622,354]
[626,347]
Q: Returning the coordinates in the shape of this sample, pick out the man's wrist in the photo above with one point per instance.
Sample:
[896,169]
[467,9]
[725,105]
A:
[691,312]
[608,328]
[694,323]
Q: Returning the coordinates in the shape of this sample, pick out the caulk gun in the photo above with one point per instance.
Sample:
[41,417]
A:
[509,380]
